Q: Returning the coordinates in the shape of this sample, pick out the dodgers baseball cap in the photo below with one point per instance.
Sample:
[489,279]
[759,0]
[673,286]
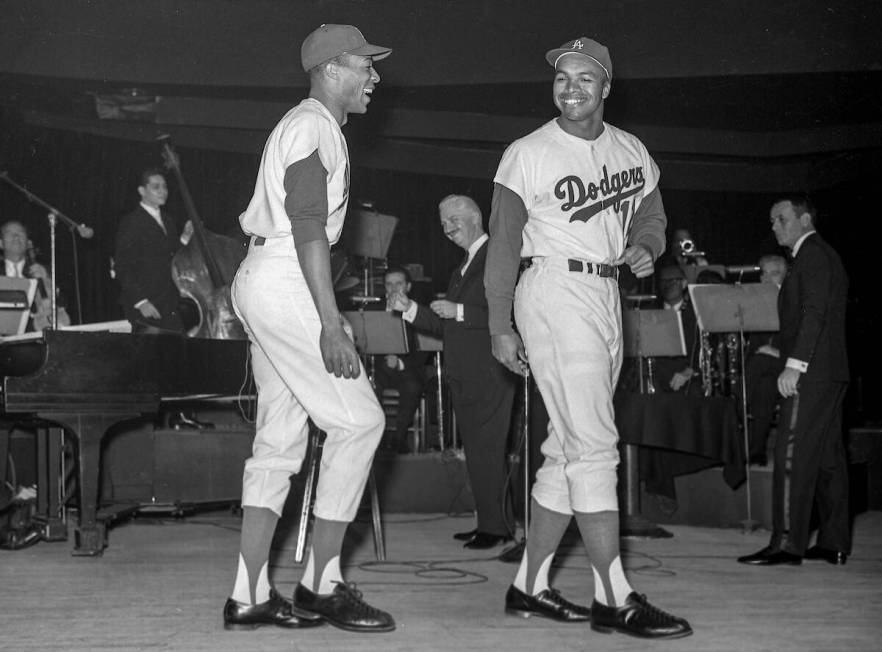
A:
[586,47]
[329,41]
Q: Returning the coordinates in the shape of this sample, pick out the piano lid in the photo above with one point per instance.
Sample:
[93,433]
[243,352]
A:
[64,370]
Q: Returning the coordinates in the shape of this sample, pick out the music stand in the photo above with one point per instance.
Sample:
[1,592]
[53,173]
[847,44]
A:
[16,298]
[656,333]
[368,234]
[748,307]
[377,332]
[436,345]
[645,334]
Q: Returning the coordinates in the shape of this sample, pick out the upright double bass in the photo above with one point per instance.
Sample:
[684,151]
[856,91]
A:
[204,268]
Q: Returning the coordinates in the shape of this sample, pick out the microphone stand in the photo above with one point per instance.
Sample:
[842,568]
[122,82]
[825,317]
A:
[53,215]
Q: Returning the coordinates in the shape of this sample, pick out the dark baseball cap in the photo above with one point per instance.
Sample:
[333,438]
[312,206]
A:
[586,47]
[329,41]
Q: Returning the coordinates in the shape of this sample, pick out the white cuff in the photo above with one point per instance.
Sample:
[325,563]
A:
[410,314]
[799,365]
[460,312]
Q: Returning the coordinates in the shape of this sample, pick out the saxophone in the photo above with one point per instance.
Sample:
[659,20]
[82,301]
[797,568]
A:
[733,368]
[705,364]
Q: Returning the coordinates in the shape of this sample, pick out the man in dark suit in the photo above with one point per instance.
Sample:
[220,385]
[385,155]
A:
[811,310]
[481,389]
[146,241]
[405,372]
[19,260]
[678,373]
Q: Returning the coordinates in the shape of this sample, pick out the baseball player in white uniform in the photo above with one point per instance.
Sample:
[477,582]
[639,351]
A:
[305,364]
[574,199]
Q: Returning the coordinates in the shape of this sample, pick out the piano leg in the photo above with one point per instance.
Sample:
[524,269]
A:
[49,484]
[90,534]
[5,492]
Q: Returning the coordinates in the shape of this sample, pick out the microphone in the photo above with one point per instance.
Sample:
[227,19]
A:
[84,231]
[742,269]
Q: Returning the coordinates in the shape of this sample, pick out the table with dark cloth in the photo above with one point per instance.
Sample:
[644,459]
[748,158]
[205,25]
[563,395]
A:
[679,434]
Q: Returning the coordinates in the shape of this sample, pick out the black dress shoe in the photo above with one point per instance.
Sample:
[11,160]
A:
[835,557]
[275,611]
[770,557]
[548,604]
[758,556]
[344,608]
[637,618]
[465,536]
[483,541]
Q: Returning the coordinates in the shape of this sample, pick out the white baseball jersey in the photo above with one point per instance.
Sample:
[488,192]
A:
[307,127]
[580,195]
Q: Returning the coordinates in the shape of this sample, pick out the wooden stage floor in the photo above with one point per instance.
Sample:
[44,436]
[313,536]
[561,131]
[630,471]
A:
[162,582]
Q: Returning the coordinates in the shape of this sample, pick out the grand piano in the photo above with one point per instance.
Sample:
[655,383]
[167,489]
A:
[87,382]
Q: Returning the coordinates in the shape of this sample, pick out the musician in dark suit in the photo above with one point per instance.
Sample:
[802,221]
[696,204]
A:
[146,241]
[678,373]
[404,372]
[481,389]
[19,260]
[811,310]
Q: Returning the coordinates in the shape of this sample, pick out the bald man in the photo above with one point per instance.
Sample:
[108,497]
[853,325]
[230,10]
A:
[481,389]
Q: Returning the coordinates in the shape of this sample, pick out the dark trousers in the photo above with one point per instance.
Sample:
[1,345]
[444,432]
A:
[818,473]
[762,397]
[483,406]
[410,383]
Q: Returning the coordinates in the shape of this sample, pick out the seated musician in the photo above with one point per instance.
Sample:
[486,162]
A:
[406,373]
[678,373]
[17,529]
[19,260]
[146,242]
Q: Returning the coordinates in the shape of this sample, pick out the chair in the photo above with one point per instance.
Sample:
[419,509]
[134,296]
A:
[313,455]
[389,401]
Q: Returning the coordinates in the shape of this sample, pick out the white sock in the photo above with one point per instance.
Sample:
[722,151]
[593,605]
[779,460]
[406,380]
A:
[541,581]
[520,580]
[330,576]
[309,571]
[241,589]
[618,583]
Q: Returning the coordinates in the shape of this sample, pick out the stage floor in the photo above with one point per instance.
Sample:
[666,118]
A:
[162,582]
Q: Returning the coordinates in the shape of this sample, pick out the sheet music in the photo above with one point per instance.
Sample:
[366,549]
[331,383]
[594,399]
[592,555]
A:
[119,326]
[14,317]
[747,307]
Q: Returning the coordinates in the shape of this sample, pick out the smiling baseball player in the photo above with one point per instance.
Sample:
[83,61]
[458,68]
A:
[575,198]
[305,364]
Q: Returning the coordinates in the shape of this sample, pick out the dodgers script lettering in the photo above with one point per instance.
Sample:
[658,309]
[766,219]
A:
[607,191]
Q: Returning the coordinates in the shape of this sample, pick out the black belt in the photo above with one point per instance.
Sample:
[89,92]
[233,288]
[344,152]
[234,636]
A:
[258,240]
[601,269]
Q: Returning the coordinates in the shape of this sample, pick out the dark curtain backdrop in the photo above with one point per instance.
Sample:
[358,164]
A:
[93,180]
